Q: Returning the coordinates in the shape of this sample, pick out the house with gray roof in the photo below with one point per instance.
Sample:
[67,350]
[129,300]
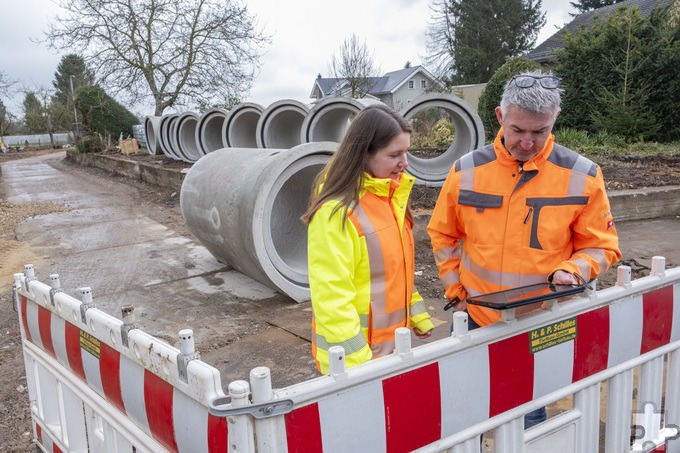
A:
[396,88]
[544,52]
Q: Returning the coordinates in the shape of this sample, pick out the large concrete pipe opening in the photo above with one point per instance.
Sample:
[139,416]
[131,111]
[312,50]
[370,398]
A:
[280,124]
[328,120]
[209,130]
[240,128]
[164,127]
[468,135]
[151,132]
[244,205]
[186,136]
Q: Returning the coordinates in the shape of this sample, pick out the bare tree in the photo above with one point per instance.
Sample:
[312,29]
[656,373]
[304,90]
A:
[174,51]
[354,68]
[6,84]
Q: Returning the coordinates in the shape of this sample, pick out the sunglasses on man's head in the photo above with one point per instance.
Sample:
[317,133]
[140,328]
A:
[547,82]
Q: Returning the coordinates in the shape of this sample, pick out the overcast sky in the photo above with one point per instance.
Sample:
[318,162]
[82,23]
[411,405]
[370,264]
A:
[305,35]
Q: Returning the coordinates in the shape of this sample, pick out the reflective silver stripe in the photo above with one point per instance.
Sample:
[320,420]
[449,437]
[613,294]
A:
[383,320]
[447,253]
[583,267]
[418,308]
[599,257]
[351,345]
[500,278]
[577,184]
[382,349]
[376,262]
[450,278]
[467,176]
[363,320]
[467,162]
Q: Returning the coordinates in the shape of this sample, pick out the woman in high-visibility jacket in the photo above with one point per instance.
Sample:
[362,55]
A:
[360,243]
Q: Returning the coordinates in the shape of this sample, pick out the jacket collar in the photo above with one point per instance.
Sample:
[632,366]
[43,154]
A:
[505,158]
[383,187]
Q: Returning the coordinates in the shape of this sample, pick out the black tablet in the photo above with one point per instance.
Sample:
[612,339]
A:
[524,295]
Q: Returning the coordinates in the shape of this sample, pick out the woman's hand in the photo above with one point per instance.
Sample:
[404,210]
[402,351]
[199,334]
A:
[422,335]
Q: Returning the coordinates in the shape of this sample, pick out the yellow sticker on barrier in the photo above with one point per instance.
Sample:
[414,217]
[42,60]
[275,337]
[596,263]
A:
[553,334]
[90,344]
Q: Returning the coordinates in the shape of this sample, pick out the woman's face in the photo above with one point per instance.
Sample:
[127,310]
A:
[390,161]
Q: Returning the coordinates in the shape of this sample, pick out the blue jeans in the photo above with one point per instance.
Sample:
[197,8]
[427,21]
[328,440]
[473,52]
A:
[533,417]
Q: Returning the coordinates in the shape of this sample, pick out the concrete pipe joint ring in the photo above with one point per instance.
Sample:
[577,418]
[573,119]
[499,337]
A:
[152,132]
[164,135]
[246,211]
[240,128]
[468,136]
[280,124]
[185,135]
[329,118]
[209,130]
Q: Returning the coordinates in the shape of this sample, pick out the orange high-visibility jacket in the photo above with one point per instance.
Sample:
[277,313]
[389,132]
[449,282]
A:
[361,274]
[498,226]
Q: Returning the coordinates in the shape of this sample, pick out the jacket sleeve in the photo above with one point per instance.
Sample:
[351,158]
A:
[596,242]
[420,318]
[445,234]
[332,255]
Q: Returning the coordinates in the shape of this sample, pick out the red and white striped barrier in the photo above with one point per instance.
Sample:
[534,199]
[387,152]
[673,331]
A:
[447,393]
[134,394]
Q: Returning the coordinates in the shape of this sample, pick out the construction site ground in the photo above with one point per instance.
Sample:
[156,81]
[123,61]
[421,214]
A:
[127,240]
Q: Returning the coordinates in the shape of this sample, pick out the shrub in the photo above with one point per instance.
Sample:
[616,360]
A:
[102,114]
[491,96]
[91,144]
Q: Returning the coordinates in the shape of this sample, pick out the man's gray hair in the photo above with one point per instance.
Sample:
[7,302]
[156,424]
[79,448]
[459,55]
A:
[535,99]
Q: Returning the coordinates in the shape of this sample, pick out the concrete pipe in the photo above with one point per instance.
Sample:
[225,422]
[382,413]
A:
[209,130]
[164,135]
[152,133]
[246,211]
[240,128]
[468,135]
[280,124]
[328,120]
[186,136]
[172,138]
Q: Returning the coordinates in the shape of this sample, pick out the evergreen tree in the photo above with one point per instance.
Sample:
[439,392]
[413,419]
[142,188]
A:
[620,76]
[468,40]
[33,114]
[70,65]
[587,5]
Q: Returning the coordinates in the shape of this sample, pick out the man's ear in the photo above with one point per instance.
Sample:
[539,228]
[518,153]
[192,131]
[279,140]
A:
[499,115]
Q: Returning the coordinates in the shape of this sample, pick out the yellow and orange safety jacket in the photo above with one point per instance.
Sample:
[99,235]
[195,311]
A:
[361,274]
[499,225]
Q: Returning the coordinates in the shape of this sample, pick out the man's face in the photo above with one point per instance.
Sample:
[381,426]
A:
[525,133]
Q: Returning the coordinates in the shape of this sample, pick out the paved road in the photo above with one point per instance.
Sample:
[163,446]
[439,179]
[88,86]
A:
[129,248]
[128,242]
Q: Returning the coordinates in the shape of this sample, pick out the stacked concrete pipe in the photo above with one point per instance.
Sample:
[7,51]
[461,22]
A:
[329,118]
[173,144]
[246,212]
[152,134]
[240,128]
[164,135]
[468,135]
[209,130]
[280,124]
[186,136]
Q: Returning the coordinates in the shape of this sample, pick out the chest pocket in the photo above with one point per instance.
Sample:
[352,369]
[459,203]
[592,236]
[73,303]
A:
[479,200]
[551,221]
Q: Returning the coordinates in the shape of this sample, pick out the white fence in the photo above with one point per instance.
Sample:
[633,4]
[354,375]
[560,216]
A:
[37,139]
[99,384]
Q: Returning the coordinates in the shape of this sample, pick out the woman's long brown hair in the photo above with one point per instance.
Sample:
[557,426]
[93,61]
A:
[373,128]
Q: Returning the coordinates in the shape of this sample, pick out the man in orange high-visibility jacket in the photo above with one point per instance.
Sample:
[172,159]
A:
[522,210]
